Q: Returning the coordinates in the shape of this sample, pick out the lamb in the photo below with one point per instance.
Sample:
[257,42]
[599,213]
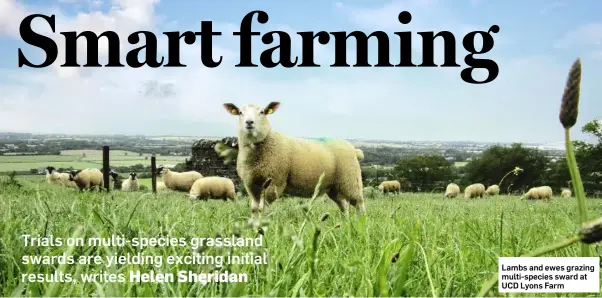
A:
[115,182]
[161,186]
[295,165]
[474,190]
[179,181]
[87,178]
[452,191]
[213,187]
[566,193]
[52,176]
[493,190]
[130,184]
[538,193]
[390,186]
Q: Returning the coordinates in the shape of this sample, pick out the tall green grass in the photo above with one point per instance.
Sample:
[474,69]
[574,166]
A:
[406,245]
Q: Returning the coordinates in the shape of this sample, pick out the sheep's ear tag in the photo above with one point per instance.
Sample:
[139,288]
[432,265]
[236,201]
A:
[234,111]
[270,111]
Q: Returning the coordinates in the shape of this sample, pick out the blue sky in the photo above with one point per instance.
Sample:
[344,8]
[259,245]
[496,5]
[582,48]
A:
[537,43]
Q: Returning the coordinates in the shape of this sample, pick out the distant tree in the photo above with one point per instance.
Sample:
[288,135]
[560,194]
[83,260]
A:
[589,160]
[424,172]
[495,162]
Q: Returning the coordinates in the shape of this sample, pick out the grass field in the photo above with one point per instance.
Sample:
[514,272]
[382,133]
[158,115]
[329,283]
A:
[446,247]
[80,159]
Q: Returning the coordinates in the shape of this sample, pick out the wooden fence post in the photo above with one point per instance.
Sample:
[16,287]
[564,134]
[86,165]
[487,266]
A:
[154,174]
[105,167]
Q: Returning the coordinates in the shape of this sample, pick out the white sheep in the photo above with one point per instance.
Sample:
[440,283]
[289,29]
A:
[451,191]
[538,193]
[295,165]
[390,186]
[87,178]
[161,186]
[52,176]
[213,187]
[474,190]
[130,184]
[566,193]
[179,181]
[493,190]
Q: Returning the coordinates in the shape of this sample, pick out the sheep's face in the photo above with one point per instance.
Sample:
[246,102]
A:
[49,170]
[253,123]
[73,174]
[133,176]
[114,175]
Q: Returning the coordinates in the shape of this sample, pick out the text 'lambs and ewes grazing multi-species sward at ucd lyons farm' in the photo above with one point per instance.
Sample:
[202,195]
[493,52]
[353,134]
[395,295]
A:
[440,242]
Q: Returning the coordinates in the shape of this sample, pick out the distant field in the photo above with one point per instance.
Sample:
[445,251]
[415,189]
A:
[79,159]
[460,164]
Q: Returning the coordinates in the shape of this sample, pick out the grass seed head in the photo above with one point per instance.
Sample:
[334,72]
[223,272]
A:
[569,108]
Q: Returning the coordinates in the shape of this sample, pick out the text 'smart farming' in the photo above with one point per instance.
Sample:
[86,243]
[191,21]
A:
[278,55]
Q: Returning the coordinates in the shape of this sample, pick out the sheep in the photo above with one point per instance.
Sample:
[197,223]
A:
[566,193]
[52,176]
[295,165]
[451,191]
[474,190]
[130,184]
[493,190]
[390,186]
[179,181]
[87,178]
[213,187]
[161,186]
[538,193]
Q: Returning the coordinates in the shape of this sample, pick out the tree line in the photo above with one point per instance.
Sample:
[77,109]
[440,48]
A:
[432,172]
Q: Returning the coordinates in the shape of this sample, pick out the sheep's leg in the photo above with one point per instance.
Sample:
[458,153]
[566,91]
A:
[257,205]
[359,206]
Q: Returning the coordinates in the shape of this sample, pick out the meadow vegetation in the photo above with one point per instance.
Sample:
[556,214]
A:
[408,244]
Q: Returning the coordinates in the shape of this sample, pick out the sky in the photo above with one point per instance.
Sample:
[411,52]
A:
[537,43]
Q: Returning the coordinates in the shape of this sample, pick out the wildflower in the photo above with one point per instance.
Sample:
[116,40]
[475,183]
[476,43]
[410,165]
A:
[569,107]
[517,170]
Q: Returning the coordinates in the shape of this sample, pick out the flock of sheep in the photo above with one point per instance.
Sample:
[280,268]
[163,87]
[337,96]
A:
[270,164]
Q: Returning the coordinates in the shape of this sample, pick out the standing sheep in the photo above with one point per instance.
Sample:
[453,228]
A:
[179,181]
[130,184]
[213,187]
[295,165]
[566,193]
[493,190]
[538,193]
[52,176]
[390,186]
[474,190]
[87,178]
[451,191]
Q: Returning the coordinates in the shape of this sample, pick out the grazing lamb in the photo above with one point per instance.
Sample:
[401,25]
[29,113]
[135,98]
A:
[87,178]
[179,181]
[538,193]
[493,190]
[130,184]
[295,165]
[390,186]
[451,191]
[566,193]
[213,187]
[474,190]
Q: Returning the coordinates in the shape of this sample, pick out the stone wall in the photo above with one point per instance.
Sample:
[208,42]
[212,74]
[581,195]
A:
[205,160]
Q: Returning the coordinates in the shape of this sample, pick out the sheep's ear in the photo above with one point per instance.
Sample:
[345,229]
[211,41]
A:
[232,108]
[271,107]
